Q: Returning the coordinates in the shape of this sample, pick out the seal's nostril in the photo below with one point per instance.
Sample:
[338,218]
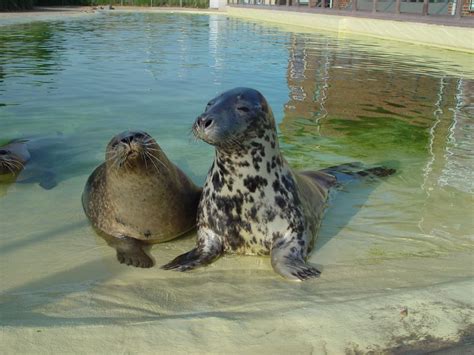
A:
[207,123]
[127,139]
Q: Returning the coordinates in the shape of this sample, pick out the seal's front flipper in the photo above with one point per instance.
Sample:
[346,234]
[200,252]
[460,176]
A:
[209,248]
[130,252]
[348,172]
[288,259]
[295,270]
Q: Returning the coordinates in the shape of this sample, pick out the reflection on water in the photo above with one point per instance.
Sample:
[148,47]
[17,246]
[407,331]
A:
[335,99]
[347,106]
[371,102]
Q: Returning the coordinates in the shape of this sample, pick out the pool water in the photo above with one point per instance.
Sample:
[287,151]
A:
[401,243]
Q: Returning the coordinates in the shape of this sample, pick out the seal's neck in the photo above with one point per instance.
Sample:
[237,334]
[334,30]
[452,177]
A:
[259,156]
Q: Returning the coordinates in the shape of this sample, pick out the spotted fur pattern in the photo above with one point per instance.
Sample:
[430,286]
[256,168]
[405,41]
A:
[252,202]
[251,199]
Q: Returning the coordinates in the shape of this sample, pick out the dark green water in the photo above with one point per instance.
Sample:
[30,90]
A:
[336,100]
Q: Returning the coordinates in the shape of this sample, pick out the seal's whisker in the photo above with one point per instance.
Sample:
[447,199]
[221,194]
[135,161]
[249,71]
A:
[192,134]
[147,143]
[153,149]
[8,161]
[14,162]
[16,167]
[151,160]
[123,159]
[9,167]
[117,159]
[150,142]
[4,163]
[142,154]
[113,159]
[158,161]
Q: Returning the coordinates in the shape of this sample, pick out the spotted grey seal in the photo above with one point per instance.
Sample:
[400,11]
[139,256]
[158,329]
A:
[252,201]
[137,197]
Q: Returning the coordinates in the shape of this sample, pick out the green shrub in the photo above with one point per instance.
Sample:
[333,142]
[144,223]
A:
[16,5]
[173,3]
[62,2]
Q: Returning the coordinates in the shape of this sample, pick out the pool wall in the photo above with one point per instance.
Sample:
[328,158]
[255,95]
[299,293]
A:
[447,37]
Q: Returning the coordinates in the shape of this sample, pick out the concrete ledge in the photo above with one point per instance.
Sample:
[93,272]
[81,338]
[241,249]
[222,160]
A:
[447,37]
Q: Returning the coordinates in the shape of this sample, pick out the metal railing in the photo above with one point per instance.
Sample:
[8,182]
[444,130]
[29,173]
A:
[452,9]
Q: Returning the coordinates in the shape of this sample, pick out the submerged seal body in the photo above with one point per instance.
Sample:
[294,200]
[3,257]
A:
[138,197]
[32,160]
[252,201]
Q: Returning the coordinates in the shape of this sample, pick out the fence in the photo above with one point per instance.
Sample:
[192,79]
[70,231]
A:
[396,7]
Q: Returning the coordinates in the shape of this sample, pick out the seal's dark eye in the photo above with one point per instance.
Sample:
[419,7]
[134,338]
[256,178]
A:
[243,109]
[209,104]
[139,135]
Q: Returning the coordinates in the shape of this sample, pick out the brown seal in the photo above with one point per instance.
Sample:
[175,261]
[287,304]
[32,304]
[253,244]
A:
[137,197]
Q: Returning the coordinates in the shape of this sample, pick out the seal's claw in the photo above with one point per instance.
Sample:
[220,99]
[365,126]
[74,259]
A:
[296,270]
[135,259]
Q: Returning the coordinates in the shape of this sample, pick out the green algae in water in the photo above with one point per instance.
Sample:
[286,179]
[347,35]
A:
[384,134]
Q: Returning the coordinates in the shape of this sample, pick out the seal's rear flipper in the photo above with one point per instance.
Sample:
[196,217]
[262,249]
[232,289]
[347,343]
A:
[48,181]
[352,171]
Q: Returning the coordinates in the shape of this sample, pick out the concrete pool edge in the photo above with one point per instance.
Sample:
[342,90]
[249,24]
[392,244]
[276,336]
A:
[58,13]
[431,35]
[439,36]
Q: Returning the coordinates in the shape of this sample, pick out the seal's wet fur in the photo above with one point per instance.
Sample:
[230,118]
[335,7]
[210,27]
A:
[252,202]
[138,197]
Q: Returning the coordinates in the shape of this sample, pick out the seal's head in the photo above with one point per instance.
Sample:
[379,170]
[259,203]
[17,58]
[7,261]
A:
[130,150]
[12,159]
[237,116]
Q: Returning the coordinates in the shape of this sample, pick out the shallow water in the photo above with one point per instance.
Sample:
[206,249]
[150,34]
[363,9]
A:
[405,241]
